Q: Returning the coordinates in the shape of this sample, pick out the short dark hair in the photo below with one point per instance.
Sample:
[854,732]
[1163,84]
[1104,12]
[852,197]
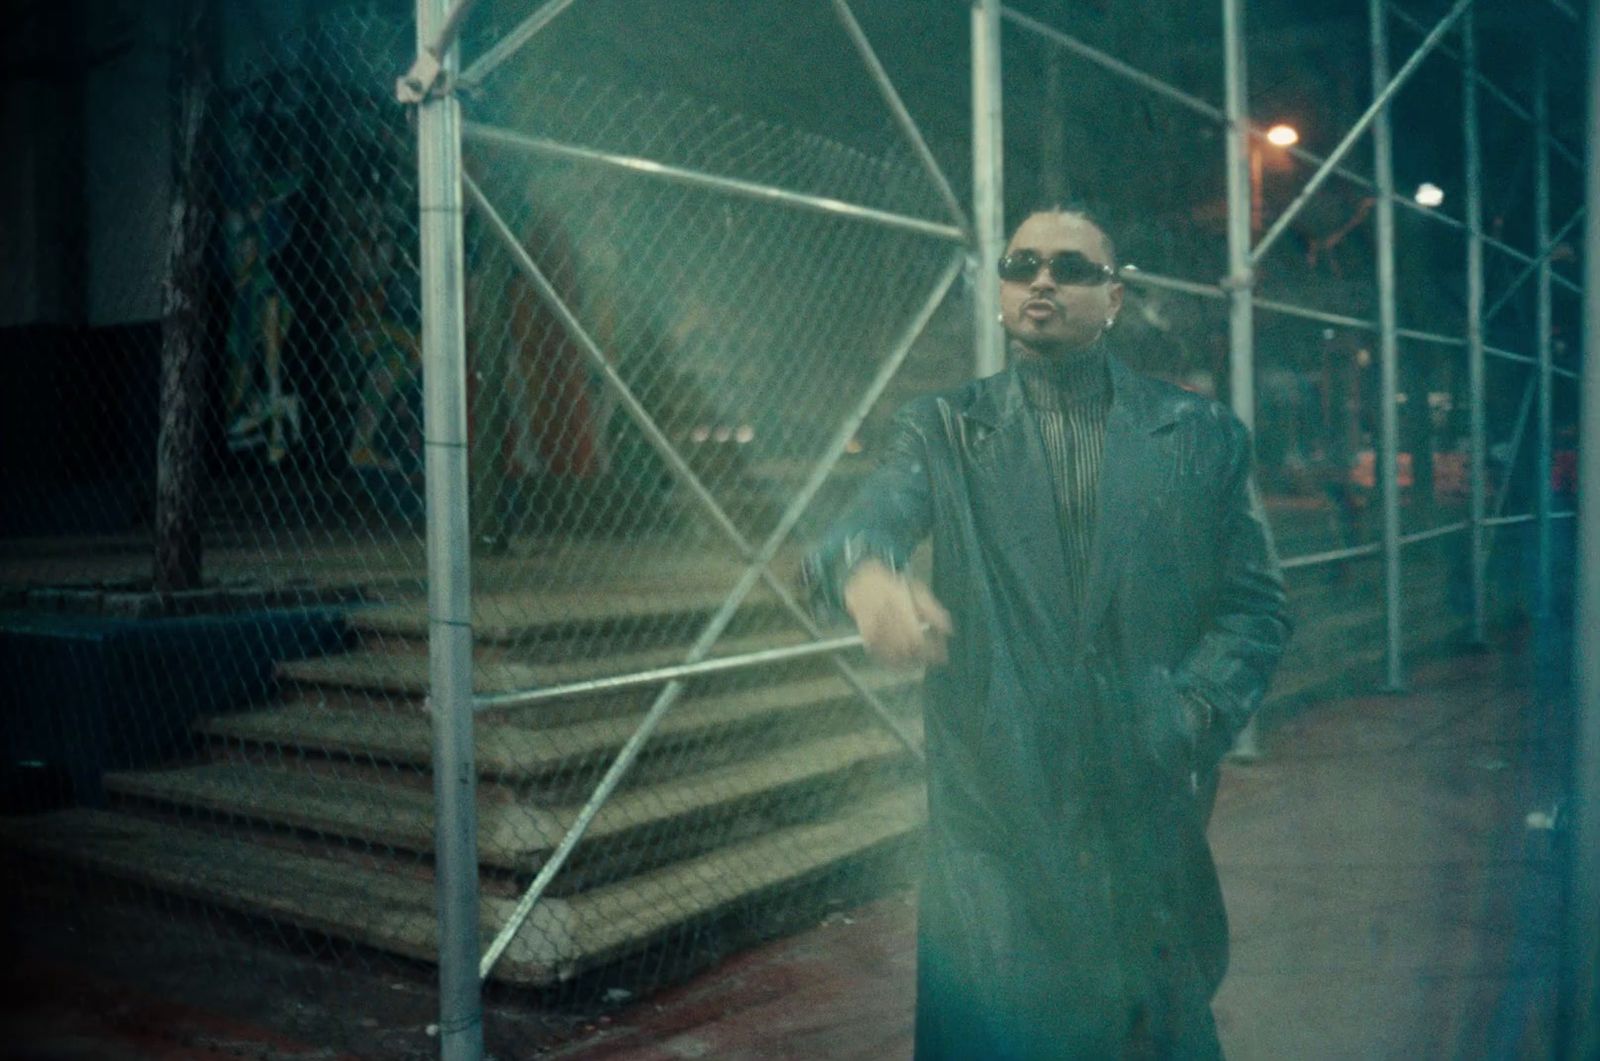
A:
[1082,212]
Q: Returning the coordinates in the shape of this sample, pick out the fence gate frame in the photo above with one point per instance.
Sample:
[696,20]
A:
[431,85]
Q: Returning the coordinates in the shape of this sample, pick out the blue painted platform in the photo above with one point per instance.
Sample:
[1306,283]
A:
[80,694]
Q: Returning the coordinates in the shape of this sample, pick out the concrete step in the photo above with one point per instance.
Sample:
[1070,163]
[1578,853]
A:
[395,912]
[511,752]
[404,674]
[612,614]
[515,834]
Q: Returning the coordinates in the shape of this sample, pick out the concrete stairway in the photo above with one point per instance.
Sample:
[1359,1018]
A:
[316,811]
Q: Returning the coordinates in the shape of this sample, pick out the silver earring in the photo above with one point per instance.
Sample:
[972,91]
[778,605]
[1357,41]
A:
[1000,318]
[1109,322]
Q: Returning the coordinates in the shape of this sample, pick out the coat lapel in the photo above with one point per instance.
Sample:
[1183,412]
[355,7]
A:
[1135,475]
[1013,496]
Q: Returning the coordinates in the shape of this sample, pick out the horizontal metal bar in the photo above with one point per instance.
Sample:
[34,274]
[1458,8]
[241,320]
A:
[1376,107]
[1506,521]
[1435,532]
[1139,277]
[1563,515]
[1509,251]
[1566,153]
[1405,202]
[1430,337]
[1316,161]
[1432,213]
[1114,65]
[1518,109]
[1332,556]
[508,45]
[1289,309]
[1566,373]
[1292,310]
[677,175]
[1573,287]
[657,676]
[1507,355]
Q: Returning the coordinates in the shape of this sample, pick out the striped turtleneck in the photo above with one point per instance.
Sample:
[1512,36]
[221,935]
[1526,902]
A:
[1069,397]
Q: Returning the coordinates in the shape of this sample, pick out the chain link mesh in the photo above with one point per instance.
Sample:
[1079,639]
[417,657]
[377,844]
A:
[745,331]
[235,774]
[226,780]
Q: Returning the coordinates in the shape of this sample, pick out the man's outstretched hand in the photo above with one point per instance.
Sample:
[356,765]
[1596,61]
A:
[901,622]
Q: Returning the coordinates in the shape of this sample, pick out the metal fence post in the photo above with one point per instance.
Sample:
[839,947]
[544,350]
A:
[1475,356]
[1544,587]
[988,162]
[1388,352]
[1241,274]
[1583,902]
[449,563]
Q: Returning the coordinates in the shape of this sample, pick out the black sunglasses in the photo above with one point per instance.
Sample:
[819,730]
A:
[1068,267]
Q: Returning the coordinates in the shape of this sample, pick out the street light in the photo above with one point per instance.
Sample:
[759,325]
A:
[1280,135]
[1429,194]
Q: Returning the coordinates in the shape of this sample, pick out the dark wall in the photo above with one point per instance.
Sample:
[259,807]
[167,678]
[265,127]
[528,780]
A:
[78,428]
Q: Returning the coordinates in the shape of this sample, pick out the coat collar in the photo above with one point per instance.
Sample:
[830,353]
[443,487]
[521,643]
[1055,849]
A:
[999,399]
[1135,472]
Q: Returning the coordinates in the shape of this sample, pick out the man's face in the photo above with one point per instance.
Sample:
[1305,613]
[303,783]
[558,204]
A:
[1050,317]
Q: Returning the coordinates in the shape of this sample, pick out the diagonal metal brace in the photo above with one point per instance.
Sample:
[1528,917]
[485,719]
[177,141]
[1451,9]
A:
[759,560]
[1379,103]
[508,46]
[902,116]
[1529,269]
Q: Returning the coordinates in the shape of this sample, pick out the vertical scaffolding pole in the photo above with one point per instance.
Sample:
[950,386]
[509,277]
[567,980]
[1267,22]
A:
[1583,900]
[987,188]
[1241,307]
[1389,351]
[449,568]
[1052,137]
[1544,585]
[1476,383]
[1241,280]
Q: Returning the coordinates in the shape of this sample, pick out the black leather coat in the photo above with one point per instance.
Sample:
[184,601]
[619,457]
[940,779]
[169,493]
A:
[1070,905]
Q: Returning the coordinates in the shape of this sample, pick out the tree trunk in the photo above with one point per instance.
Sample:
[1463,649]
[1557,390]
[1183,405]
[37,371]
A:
[179,466]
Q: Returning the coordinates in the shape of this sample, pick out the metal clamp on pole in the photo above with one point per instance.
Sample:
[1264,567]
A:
[1242,280]
[415,84]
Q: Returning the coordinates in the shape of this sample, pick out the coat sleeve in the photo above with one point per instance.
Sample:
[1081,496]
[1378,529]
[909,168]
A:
[1244,635]
[886,521]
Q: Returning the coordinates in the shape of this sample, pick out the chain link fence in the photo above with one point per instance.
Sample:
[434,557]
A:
[657,370]
[1316,385]
[217,773]
[698,345]
[686,326]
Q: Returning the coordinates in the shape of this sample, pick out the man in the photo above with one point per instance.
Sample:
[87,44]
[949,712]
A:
[1105,612]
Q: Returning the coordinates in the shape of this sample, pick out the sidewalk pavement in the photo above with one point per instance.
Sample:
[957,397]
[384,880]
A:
[1388,899]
